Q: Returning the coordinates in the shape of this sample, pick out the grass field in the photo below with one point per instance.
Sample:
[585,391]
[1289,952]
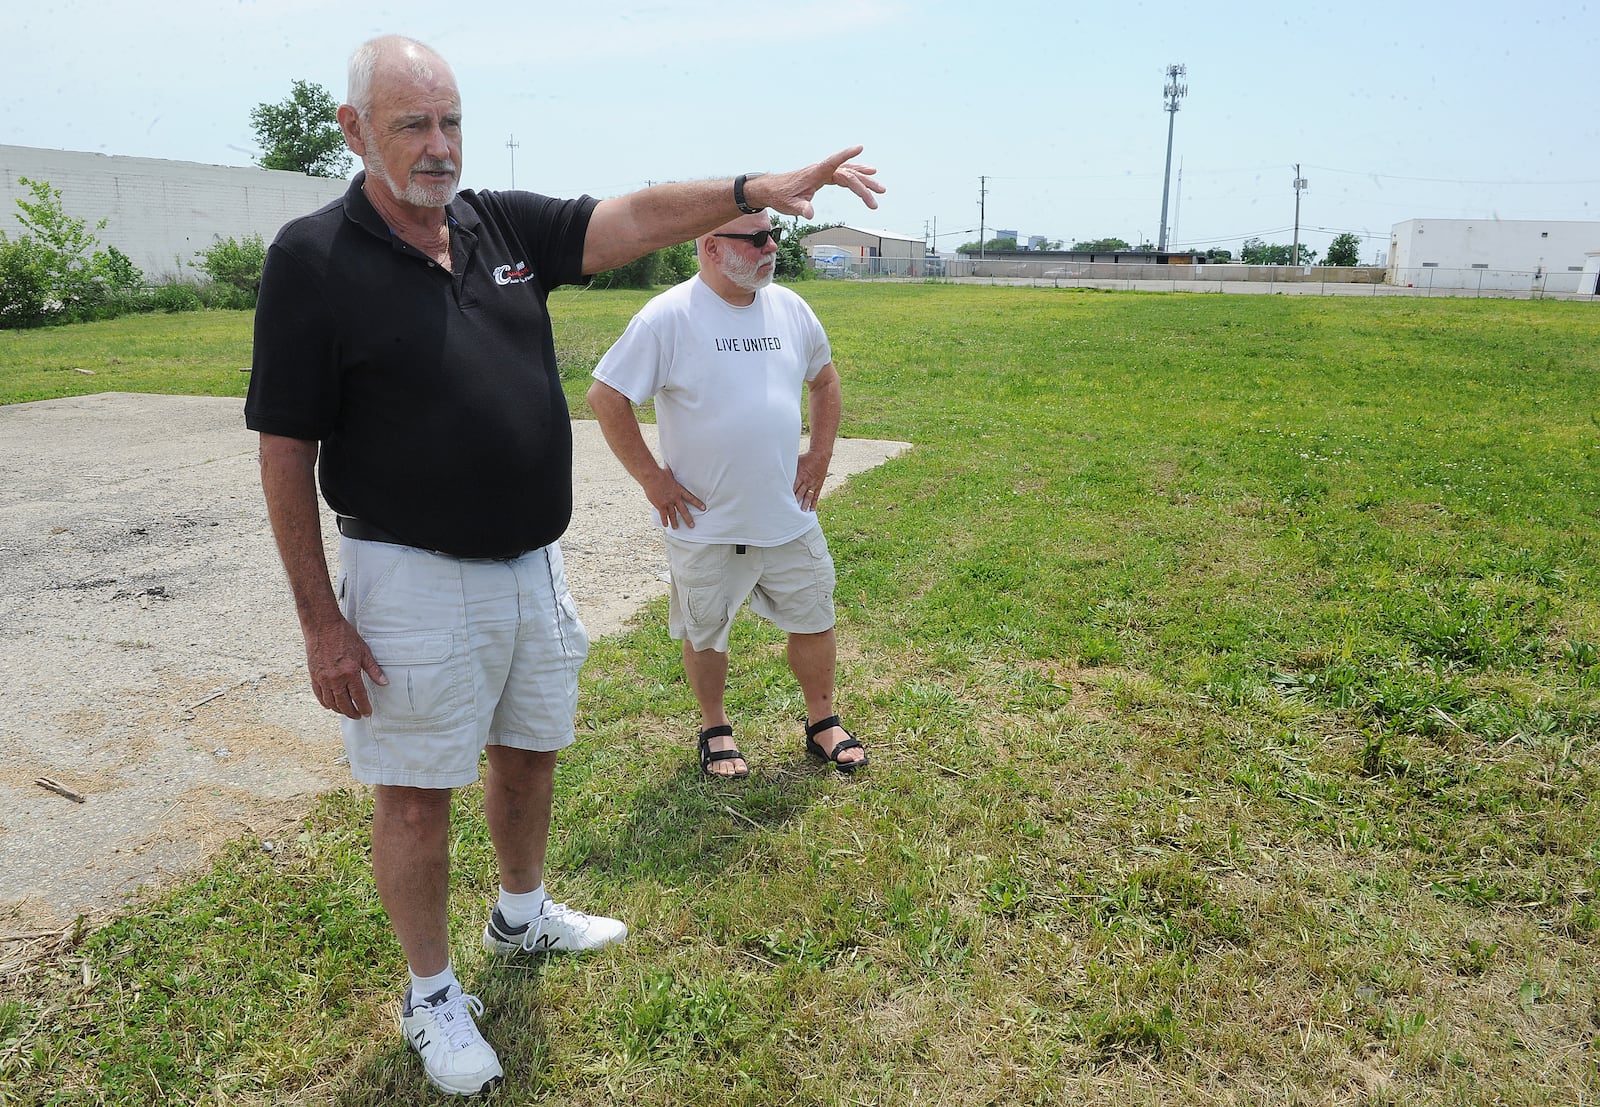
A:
[1231,672]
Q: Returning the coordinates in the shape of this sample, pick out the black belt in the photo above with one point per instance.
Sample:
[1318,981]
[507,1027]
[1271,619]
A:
[363,531]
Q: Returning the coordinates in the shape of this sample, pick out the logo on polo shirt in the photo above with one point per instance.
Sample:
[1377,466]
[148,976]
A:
[513,274]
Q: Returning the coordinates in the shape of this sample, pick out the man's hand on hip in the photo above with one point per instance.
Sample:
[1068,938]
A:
[672,500]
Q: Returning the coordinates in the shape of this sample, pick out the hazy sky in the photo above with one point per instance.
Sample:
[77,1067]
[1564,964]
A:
[1393,111]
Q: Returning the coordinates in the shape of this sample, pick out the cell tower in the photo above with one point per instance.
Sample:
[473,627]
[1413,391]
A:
[1171,94]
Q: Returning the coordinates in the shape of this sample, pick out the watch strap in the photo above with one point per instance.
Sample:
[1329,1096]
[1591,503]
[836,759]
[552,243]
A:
[738,193]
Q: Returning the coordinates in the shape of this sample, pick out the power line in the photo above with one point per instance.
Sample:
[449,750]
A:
[1443,180]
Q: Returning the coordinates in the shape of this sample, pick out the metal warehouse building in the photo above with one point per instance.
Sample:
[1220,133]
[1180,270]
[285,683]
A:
[876,252]
[1502,254]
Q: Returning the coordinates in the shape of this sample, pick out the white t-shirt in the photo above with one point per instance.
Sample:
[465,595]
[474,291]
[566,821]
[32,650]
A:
[726,383]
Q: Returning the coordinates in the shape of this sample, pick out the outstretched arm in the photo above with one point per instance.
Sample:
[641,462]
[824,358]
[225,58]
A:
[630,226]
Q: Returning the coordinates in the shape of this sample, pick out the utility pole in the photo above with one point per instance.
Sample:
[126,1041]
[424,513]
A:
[512,144]
[982,192]
[1299,186]
[1171,94]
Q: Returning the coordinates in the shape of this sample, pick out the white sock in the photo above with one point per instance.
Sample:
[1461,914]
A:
[424,986]
[517,908]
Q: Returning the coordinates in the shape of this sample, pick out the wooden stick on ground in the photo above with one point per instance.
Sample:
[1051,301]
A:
[59,789]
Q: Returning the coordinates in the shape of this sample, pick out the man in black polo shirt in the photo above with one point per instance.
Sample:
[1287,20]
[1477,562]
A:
[403,349]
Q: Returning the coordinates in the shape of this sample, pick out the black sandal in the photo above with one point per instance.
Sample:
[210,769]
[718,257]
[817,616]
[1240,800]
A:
[851,742]
[708,755]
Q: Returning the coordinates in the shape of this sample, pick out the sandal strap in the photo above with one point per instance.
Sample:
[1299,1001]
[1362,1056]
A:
[708,755]
[814,729]
[850,743]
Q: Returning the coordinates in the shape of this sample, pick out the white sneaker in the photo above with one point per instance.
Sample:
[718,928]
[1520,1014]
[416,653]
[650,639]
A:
[454,1055]
[557,929]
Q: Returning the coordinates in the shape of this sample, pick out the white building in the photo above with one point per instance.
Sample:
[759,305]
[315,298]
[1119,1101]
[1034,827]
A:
[161,213]
[1589,280]
[1502,254]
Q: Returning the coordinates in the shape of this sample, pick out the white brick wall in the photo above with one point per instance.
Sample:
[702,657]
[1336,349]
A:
[161,213]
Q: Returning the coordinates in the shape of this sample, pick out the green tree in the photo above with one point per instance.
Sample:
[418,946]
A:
[1345,250]
[794,264]
[301,133]
[993,244]
[642,272]
[679,263]
[1255,251]
[1101,245]
[55,270]
[1216,254]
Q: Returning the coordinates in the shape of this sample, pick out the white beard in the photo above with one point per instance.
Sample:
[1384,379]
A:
[415,193]
[744,274]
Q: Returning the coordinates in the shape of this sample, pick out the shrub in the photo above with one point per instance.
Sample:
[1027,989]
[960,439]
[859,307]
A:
[793,262]
[24,283]
[639,273]
[235,270]
[679,263]
[172,298]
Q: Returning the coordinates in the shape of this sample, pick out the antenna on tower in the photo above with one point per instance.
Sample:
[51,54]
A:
[1171,94]
[512,144]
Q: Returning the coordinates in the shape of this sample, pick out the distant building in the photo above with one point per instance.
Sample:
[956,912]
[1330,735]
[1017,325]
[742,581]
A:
[1589,279]
[1501,254]
[870,251]
[162,213]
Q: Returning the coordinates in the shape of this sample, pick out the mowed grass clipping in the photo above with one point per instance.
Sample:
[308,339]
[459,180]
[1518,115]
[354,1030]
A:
[1229,667]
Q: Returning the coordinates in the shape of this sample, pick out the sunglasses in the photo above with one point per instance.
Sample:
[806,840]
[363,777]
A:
[758,239]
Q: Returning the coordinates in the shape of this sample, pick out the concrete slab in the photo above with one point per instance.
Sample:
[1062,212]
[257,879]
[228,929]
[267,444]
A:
[149,656]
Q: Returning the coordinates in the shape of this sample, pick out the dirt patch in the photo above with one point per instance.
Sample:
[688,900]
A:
[149,655]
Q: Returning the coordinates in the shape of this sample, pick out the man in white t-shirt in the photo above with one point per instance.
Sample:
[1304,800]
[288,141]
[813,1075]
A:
[724,356]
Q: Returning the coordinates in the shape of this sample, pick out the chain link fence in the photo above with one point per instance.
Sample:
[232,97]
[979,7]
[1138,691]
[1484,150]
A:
[1476,281]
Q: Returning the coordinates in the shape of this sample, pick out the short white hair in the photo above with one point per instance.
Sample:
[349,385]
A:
[418,57]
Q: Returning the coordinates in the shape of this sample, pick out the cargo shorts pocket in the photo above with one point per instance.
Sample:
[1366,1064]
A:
[425,686]
[703,586]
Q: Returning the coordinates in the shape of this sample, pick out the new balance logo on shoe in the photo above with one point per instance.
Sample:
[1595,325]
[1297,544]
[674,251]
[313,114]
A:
[557,929]
[454,1055]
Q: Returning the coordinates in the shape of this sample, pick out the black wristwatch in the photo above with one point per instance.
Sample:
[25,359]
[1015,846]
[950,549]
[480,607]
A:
[738,193]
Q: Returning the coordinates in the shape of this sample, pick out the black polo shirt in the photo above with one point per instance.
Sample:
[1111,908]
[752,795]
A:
[434,394]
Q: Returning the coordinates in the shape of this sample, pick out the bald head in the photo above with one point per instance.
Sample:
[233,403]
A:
[403,120]
[392,54]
